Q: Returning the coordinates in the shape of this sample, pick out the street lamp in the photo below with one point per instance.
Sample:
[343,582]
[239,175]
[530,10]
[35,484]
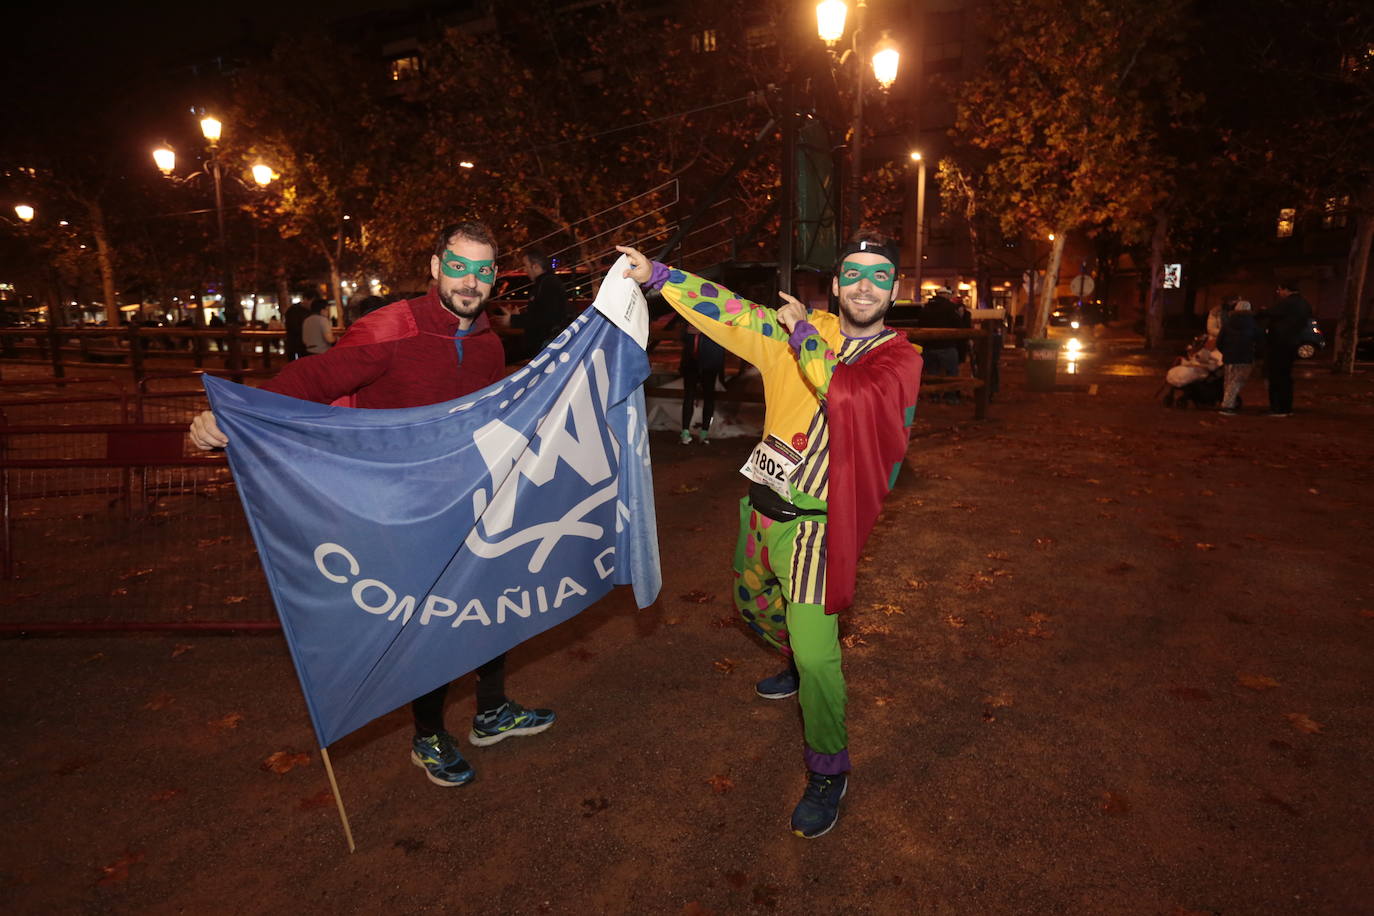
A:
[830,19]
[885,60]
[920,161]
[165,159]
[830,16]
[24,212]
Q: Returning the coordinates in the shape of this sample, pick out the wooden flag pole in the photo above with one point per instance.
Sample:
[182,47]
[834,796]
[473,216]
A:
[338,799]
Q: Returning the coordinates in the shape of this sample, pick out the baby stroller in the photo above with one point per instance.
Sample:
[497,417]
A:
[1197,378]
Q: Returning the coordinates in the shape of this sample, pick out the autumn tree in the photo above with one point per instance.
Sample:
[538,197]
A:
[1068,107]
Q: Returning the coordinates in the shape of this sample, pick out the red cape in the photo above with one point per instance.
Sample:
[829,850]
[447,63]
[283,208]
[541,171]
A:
[871,405]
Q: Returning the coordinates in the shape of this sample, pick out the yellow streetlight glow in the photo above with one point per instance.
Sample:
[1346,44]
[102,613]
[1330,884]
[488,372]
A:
[915,156]
[263,174]
[166,159]
[830,16]
[24,212]
[885,60]
[465,164]
[1051,236]
[211,128]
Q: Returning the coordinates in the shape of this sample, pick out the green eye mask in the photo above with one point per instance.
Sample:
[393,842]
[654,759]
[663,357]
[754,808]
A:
[880,275]
[456,266]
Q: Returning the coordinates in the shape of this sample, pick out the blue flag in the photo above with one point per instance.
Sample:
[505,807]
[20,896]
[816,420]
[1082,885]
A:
[404,548]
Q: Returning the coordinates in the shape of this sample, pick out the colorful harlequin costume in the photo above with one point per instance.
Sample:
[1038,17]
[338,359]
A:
[837,417]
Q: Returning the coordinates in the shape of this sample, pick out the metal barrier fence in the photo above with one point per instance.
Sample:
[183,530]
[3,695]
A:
[115,526]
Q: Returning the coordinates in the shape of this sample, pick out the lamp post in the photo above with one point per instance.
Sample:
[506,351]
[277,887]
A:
[920,161]
[830,20]
[165,158]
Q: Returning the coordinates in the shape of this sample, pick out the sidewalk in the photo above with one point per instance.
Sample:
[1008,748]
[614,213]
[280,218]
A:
[1106,658]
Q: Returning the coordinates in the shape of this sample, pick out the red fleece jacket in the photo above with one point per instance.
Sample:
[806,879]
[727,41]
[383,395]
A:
[402,355]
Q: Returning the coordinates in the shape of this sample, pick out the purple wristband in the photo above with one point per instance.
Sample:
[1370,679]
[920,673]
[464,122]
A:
[800,331]
[657,277]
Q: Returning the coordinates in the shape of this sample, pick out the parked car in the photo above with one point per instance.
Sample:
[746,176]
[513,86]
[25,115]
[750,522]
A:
[1070,313]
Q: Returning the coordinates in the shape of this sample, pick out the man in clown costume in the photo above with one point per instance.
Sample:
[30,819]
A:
[840,395]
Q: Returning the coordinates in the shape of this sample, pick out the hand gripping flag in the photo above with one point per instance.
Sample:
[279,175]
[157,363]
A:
[404,548]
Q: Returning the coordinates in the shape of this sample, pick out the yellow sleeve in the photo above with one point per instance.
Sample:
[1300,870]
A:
[746,329]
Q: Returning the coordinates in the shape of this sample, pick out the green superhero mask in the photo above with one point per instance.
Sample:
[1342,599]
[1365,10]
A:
[880,275]
[456,266]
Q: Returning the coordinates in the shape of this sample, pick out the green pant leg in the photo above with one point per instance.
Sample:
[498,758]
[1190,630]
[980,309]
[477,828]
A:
[815,639]
[758,592]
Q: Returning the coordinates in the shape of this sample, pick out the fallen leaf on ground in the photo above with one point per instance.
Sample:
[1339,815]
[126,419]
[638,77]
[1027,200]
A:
[683,489]
[165,795]
[671,621]
[225,723]
[917,583]
[134,574]
[1037,617]
[723,623]
[957,622]
[1302,723]
[998,700]
[285,762]
[1256,681]
[1114,804]
[160,701]
[115,593]
[999,557]
[181,649]
[881,701]
[1106,500]
[322,799]
[93,658]
[853,640]
[888,609]
[724,665]
[695,596]
[720,784]
[593,805]
[1044,543]
[118,870]
[235,599]
[1200,545]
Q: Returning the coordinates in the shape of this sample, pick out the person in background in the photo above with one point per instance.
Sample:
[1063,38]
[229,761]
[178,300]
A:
[317,334]
[295,320]
[1237,340]
[702,361]
[547,311]
[1284,321]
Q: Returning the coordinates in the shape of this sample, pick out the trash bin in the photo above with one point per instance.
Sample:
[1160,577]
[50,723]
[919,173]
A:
[1042,358]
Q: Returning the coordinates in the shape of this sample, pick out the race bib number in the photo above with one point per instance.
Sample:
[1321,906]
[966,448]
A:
[771,463]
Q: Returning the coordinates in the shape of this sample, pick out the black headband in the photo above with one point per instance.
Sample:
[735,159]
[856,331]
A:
[868,247]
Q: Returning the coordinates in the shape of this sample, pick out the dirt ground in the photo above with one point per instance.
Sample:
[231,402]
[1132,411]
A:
[1106,658]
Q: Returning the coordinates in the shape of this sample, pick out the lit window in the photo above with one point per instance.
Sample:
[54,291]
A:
[704,42]
[1285,226]
[1335,212]
[404,68]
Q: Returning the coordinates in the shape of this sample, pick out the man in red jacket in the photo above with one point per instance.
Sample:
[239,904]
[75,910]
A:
[409,354]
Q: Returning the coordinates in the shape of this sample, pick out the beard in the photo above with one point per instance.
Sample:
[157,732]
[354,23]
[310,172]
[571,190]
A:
[866,319]
[464,302]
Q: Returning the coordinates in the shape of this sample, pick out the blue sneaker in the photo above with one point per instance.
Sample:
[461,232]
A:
[510,719]
[819,807]
[440,759]
[780,686]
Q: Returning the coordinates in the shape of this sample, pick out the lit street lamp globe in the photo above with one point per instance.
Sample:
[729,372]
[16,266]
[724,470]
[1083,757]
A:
[885,60]
[24,212]
[211,128]
[165,159]
[830,16]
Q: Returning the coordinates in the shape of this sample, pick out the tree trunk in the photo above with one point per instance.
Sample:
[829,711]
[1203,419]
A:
[105,257]
[1154,309]
[1039,319]
[1356,268]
